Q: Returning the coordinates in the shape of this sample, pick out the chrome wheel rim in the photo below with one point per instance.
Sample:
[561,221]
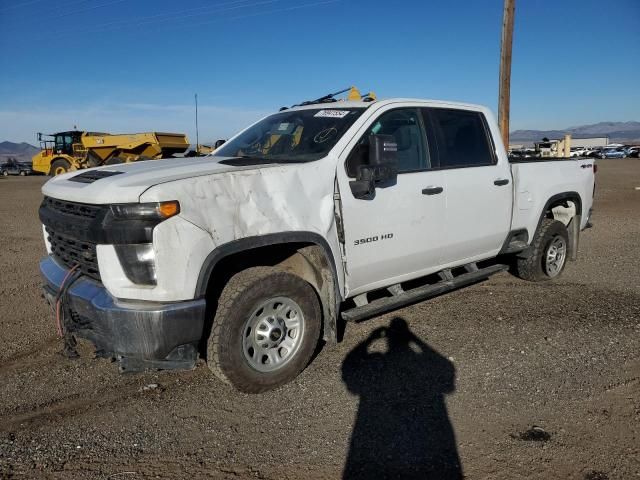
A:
[272,334]
[555,256]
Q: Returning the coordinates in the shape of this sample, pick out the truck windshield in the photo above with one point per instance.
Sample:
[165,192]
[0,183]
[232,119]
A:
[292,136]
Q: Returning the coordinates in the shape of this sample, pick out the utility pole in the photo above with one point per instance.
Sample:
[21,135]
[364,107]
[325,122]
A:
[197,139]
[504,95]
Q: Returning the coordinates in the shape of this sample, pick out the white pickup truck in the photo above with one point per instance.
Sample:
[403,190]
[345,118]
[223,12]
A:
[317,214]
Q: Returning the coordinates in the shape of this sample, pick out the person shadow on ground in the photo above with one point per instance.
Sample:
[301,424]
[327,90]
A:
[402,429]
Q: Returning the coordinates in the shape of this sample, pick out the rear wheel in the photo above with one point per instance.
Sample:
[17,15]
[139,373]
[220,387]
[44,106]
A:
[22,173]
[59,166]
[265,330]
[548,253]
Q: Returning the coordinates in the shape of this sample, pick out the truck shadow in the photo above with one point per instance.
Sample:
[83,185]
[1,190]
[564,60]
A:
[402,429]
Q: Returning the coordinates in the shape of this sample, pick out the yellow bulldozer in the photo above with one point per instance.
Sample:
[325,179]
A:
[65,151]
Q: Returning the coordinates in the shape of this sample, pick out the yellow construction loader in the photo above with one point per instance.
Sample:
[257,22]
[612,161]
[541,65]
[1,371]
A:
[65,151]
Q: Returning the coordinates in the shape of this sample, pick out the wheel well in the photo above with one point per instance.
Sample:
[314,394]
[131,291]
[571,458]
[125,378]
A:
[562,210]
[306,259]
[60,158]
[566,208]
[561,205]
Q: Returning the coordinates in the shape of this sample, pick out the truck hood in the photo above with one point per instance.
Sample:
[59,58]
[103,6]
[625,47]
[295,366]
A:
[130,180]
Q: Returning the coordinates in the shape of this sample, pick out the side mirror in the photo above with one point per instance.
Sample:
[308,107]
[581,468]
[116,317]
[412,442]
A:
[218,143]
[381,170]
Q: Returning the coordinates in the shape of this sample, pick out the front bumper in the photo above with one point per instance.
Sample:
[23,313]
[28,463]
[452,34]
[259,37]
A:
[138,334]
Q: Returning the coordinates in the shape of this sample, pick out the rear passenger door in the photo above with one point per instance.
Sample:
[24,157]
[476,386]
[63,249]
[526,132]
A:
[477,184]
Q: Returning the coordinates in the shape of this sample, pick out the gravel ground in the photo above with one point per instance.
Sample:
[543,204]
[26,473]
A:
[505,379]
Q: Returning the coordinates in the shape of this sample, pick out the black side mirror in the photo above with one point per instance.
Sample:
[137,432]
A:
[219,143]
[381,170]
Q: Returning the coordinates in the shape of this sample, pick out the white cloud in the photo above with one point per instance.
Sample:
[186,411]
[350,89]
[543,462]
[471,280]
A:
[214,122]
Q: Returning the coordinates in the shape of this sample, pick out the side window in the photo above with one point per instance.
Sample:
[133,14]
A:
[461,136]
[405,126]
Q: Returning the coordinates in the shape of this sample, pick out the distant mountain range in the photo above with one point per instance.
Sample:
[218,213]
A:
[616,131]
[20,151]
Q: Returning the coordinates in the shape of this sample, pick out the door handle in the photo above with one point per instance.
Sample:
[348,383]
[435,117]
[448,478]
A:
[501,181]
[432,190]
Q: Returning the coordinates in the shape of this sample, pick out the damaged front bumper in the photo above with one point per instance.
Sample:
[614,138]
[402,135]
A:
[139,335]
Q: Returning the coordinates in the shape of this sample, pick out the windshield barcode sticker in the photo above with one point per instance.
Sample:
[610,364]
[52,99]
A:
[332,113]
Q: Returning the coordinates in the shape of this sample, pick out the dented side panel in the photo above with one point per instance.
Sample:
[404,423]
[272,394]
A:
[180,248]
[245,203]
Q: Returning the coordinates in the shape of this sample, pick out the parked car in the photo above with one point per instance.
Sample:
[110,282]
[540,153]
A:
[13,167]
[613,153]
[313,216]
[634,152]
[577,152]
[594,152]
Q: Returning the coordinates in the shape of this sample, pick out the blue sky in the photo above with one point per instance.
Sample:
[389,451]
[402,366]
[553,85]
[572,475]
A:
[134,65]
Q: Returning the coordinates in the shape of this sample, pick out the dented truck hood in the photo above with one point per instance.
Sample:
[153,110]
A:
[129,181]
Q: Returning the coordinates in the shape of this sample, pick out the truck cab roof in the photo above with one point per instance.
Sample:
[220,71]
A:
[341,104]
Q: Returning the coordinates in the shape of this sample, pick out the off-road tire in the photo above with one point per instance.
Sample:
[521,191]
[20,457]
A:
[58,165]
[532,267]
[238,300]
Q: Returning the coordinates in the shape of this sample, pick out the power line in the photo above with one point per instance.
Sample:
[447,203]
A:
[188,13]
[50,8]
[93,7]
[169,16]
[20,5]
[268,12]
[235,7]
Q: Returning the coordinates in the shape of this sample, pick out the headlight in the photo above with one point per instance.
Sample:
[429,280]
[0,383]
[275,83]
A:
[145,211]
[130,227]
[138,262]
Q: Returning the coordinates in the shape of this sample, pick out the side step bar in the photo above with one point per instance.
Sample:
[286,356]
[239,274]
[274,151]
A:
[448,283]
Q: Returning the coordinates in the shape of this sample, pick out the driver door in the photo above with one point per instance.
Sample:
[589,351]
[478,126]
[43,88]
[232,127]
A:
[399,234]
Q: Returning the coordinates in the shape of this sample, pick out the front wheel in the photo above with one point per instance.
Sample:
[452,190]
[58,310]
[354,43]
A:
[547,255]
[23,173]
[5,173]
[265,330]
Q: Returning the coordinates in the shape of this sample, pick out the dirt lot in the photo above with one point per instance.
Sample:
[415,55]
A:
[496,360]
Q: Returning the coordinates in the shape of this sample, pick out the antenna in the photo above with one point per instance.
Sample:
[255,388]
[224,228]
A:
[197,138]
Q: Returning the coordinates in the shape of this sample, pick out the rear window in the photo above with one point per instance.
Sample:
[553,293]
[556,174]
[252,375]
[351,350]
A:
[462,137]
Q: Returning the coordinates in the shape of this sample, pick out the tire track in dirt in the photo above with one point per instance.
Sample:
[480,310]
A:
[29,359]
[84,402]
